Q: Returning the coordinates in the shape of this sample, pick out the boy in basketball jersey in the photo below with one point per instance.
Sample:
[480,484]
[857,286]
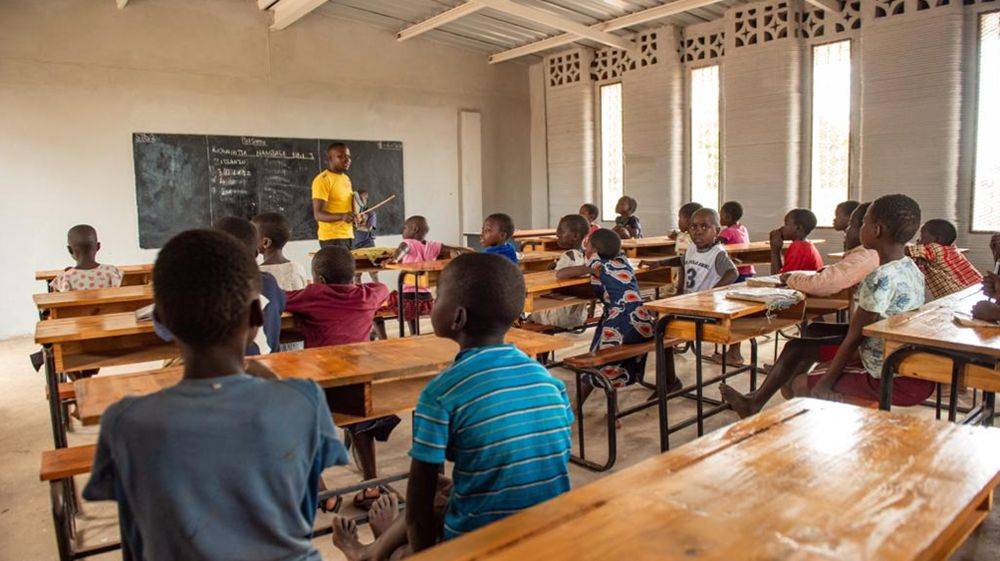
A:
[708,266]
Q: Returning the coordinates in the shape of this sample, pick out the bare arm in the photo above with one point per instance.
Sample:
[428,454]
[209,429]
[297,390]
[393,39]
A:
[728,278]
[668,262]
[323,216]
[421,528]
[776,245]
[573,272]
[453,251]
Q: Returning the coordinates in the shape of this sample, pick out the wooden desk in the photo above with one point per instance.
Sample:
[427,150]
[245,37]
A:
[539,285]
[95,302]
[651,247]
[804,480]
[538,243]
[131,274]
[368,380]
[757,253]
[711,317]
[534,233]
[926,343]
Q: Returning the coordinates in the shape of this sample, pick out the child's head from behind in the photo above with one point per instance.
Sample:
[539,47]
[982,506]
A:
[730,213]
[799,223]
[626,206]
[938,230]
[207,290]
[704,227]
[415,228]
[241,229]
[590,212]
[480,295]
[497,229]
[333,265]
[684,215]
[82,244]
[571,231]
[842,215]
[274,231]
[852,235]
[606,243]
[891,220]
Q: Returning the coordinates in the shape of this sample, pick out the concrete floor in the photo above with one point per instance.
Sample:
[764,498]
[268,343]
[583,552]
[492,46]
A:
[25,523]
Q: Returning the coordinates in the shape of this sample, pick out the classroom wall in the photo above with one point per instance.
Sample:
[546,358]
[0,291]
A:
[78,77]
[914,64]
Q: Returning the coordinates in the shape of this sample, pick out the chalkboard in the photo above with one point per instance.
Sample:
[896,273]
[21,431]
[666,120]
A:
[185,181]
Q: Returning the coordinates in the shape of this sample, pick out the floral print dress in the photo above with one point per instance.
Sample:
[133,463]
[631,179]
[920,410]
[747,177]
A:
[624,321]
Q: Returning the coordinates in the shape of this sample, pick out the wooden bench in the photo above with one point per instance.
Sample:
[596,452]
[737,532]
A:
[58,467]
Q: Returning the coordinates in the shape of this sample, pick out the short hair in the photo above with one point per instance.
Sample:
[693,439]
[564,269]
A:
[335,146]
[942,230]
[688,209]
[204,283]
[591,209]
[241,229]
[606,243]
[733,209]
[576,223]
[274,226]
[82,235]
[858,214]
[504,221]
[848,207]
[898,214]
[804,218]
[335,264]
[711,212]
[631,202]
[488,286]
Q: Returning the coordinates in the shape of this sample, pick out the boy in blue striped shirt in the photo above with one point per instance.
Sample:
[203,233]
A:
[496,413]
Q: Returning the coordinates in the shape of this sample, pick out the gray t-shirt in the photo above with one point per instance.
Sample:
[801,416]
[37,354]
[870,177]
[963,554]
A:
[704,268]
[219,468]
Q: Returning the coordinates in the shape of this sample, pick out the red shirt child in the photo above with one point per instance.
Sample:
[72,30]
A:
[336,314]
[801,255]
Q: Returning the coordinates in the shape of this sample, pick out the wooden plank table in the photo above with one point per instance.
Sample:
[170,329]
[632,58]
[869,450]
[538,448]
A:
[757,253]
[531,244]
[709,317]
[651,247]
[540,287]
[926,343]
[95,302]
[534,233]
[804,480]
[368,380]
[131,275]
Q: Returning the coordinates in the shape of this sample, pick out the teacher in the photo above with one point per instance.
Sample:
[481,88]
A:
[333,199]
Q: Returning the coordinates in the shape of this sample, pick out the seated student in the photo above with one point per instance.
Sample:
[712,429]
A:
[498,229]
[224,465]
[274,234]
[417,300]
[570,234]
[627,224]
[856,264]
[681,234]
[733,232]
[801,255]
[591,213]
[946,270]
[87,273]
[842,215]
[895,287]
[496,413]
[989,310]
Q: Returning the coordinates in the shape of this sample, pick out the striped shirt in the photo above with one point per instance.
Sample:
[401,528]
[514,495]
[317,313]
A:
[504,422]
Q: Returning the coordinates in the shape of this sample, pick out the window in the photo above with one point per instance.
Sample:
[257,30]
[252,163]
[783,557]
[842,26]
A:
[986,181]
[705,135]
[831,128]
[612,160]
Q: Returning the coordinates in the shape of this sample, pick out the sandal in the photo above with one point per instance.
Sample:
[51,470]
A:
[367,497]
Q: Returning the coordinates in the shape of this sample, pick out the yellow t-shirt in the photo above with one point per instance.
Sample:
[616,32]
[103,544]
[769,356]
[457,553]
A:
[336,190]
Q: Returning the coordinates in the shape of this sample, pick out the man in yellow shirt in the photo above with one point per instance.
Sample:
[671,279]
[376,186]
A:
[333,199]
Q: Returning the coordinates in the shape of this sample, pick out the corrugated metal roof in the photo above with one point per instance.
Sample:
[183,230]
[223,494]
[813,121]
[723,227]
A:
[490,31]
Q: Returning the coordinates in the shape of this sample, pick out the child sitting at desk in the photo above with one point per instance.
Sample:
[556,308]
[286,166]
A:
[802,255]
[627,224]
[733,232]
[498,229]
[842,215]
[857,263]
[417,299]
[496,413]
[681,235]
[224,465]
[945,268]
[87,273]
[570,234]
[895,287]
[274,234]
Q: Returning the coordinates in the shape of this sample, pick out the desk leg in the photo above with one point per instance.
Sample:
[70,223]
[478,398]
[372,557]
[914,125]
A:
[399,304]
[753,365]
[664,371]
[699,329]
[55,407]
[416,305]
[956,371]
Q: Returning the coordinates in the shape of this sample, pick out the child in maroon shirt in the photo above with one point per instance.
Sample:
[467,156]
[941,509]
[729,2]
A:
[801,255]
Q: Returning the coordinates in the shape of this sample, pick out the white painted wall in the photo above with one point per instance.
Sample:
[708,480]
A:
[77,77]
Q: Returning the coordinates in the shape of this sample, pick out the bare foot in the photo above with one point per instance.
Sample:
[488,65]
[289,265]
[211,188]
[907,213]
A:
[740,403]
[345,537]
[383,513]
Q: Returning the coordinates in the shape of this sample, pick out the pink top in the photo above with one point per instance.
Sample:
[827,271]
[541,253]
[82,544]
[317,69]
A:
[737,233]
[848,272]
[419,251]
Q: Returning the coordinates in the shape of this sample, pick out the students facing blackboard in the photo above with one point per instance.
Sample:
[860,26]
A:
[333,199]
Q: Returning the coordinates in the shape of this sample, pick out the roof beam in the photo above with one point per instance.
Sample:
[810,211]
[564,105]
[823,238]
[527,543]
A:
[121,3]
[287,12]
[439,20]
[552,20]
[621,22]
[827,5]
